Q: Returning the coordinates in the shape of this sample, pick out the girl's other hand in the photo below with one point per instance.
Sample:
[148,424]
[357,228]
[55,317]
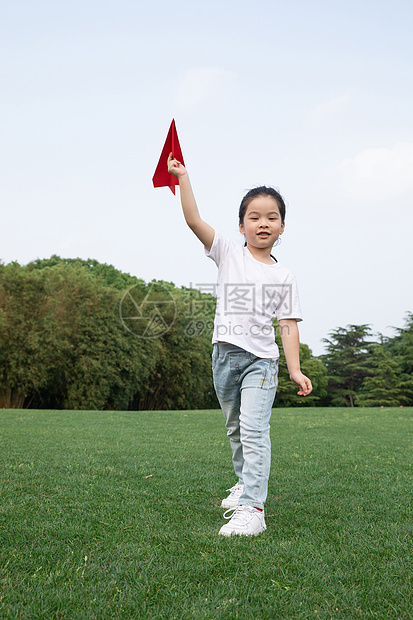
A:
[175,167]
[303,383]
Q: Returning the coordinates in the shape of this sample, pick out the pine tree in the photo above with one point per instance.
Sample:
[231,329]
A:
[348,363]
[388,386]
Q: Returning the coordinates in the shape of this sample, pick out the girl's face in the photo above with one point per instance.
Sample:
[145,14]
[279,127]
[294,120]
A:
[262,223]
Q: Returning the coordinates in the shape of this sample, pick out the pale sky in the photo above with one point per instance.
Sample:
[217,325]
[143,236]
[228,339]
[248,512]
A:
[314,98]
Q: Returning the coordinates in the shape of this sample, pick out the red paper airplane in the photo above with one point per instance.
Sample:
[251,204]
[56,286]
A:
[162,178]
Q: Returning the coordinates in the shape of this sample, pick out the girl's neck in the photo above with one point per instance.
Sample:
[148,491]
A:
[262,255]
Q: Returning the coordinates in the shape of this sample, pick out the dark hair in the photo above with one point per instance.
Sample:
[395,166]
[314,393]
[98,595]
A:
[261,191]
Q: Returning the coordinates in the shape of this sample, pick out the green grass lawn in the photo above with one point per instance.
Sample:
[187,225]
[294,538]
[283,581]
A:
[116,515]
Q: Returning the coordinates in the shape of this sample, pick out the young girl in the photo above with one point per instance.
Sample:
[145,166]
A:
[253,289]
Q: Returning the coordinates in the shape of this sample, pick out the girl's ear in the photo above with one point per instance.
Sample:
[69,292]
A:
[241,229]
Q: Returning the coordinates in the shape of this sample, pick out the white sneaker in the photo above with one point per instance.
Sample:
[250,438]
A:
[235,493]
[245,521]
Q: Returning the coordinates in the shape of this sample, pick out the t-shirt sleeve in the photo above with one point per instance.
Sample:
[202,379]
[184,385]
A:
[219,248]
[288,306]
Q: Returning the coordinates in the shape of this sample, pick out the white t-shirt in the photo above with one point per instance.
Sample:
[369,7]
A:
[250,294]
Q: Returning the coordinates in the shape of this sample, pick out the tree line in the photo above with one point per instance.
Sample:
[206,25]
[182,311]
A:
[79,334]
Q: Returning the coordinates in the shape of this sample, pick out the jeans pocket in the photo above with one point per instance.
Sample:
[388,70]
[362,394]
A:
[274,370]
[214,357]
[269,373]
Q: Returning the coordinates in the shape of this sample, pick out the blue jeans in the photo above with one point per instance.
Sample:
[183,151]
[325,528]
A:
[246,387]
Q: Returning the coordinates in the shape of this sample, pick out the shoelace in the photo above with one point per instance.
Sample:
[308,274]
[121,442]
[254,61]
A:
[237,488]
[240,513]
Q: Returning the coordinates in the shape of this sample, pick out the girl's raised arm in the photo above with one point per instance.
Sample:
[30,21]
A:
[202,230]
